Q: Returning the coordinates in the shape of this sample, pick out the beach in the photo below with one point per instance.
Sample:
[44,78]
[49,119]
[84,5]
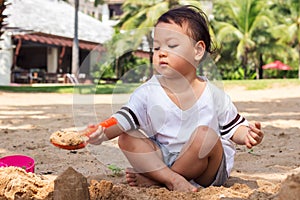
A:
[28,119]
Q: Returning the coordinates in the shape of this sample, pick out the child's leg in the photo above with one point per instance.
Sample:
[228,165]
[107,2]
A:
[146,159]
[201,157]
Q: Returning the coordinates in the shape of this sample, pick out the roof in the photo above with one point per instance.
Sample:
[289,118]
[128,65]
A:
[56,40]
[56,18]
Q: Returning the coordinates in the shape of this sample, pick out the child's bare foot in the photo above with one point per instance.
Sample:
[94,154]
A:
[135,179]
[178,183]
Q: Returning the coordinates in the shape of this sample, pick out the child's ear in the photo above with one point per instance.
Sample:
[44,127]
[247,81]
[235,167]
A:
[199,50]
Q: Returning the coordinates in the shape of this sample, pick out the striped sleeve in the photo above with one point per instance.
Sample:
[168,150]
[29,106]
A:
[232,125]
[127,119]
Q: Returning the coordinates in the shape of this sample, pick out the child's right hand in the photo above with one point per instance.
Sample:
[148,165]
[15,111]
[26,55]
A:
[97,137]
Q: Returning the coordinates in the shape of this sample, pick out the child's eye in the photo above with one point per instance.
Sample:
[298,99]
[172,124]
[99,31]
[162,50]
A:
[156,48]
[173,46]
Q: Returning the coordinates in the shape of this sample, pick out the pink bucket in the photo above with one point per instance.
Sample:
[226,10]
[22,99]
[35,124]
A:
[3,164]
[22,161]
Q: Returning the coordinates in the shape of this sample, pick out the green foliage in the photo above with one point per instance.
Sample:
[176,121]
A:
[128,68]
[97,2]
[117,171]
[237,74]
[280,74]
[286,31]
[137,70]
[254,33]
[133,68]
[103,71]
[250,33]
[237,24]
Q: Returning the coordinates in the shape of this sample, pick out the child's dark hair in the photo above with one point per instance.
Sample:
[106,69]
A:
[196,19]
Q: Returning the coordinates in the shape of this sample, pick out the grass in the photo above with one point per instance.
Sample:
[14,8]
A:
[33,88]
[128,88]
[82,89]
[260,84]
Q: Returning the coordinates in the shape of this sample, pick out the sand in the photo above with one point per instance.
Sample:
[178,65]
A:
[16,183]
[28,119]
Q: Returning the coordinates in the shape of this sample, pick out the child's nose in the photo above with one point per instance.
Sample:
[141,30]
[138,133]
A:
[162,53]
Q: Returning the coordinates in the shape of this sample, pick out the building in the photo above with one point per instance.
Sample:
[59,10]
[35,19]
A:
[111,9]
[37,43]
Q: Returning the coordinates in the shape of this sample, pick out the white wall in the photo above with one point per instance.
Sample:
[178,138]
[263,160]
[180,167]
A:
[6,58]
[105,13]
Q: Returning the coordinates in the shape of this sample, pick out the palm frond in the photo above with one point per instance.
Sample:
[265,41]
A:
[228,30]
[153,13]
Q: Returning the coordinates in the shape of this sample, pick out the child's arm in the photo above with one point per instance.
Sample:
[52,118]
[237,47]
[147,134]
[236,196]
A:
[249,136]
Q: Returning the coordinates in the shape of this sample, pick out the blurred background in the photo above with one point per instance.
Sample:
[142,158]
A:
[100,41]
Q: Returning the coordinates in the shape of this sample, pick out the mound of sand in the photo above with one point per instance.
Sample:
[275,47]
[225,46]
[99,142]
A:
[107,190]
[16,183]
[290,188]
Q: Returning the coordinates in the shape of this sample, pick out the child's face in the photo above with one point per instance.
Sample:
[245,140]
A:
[174,50]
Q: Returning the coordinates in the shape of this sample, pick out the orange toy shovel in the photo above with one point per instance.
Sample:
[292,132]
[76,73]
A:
[57,138]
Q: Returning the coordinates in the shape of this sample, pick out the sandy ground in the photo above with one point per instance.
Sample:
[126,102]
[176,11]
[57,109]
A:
[28,119]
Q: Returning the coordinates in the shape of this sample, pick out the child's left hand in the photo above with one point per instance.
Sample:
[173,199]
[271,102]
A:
[254,136]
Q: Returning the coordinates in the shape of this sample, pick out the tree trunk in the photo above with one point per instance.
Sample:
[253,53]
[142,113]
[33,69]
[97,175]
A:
[150,43]
[75,48]
[260,70]
[244,63]
[298,35]
[299,62]
[298,30]
[117,67]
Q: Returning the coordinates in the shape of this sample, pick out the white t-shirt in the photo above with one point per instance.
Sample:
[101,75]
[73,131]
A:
[151,110]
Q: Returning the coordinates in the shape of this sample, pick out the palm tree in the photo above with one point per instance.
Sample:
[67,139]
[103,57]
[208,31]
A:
[239,21]
[288,30]
[75,47]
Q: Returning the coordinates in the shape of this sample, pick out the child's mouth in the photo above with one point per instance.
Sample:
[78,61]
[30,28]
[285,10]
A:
[162,63]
